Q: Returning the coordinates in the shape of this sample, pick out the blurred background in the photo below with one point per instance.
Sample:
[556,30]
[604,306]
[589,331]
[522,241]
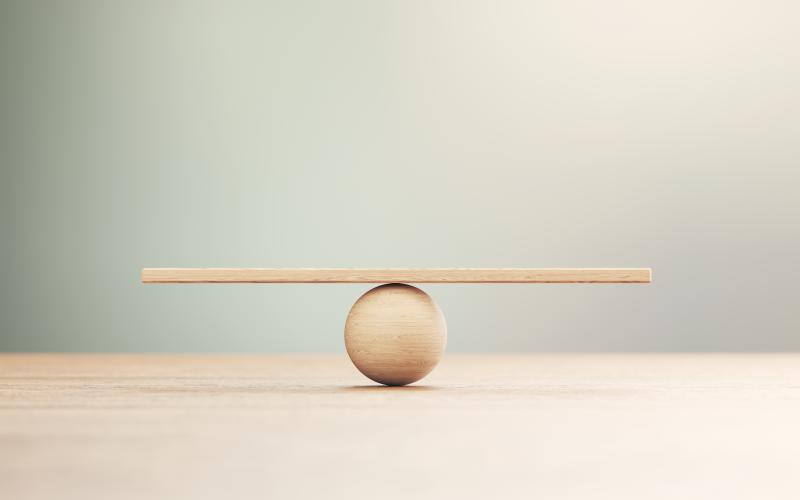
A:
[427,133]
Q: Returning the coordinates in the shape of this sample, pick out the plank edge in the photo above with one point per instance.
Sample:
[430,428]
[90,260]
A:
[390,275]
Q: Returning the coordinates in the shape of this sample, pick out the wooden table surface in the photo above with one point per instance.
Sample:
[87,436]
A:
[688,426]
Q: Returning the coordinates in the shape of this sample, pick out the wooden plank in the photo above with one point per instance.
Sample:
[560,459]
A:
[377,275]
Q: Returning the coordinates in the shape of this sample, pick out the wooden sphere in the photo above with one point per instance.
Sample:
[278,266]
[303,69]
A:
[395,334]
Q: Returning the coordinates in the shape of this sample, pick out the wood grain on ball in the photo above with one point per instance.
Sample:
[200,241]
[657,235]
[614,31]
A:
[395,334]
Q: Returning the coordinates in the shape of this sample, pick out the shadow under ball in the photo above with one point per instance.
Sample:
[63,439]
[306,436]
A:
[395,334]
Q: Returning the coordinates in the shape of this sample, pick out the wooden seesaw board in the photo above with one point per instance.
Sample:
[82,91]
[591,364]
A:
[396,275]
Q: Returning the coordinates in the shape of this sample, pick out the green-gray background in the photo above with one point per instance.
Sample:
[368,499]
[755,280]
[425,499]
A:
[405,133]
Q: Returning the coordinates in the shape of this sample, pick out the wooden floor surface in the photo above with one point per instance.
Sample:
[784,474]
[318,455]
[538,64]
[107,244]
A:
[524,426]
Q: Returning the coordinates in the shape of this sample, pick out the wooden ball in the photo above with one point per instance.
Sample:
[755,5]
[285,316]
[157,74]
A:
[395,334]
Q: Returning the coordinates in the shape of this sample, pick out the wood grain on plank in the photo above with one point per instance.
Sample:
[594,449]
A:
[389,275]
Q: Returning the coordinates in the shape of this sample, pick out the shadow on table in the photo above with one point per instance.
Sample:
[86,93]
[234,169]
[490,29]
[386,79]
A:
[390,388]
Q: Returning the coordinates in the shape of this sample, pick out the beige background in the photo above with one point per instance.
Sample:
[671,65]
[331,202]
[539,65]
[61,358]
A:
[373,133]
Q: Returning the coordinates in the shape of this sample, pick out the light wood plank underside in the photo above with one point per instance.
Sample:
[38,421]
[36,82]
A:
[374,275]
